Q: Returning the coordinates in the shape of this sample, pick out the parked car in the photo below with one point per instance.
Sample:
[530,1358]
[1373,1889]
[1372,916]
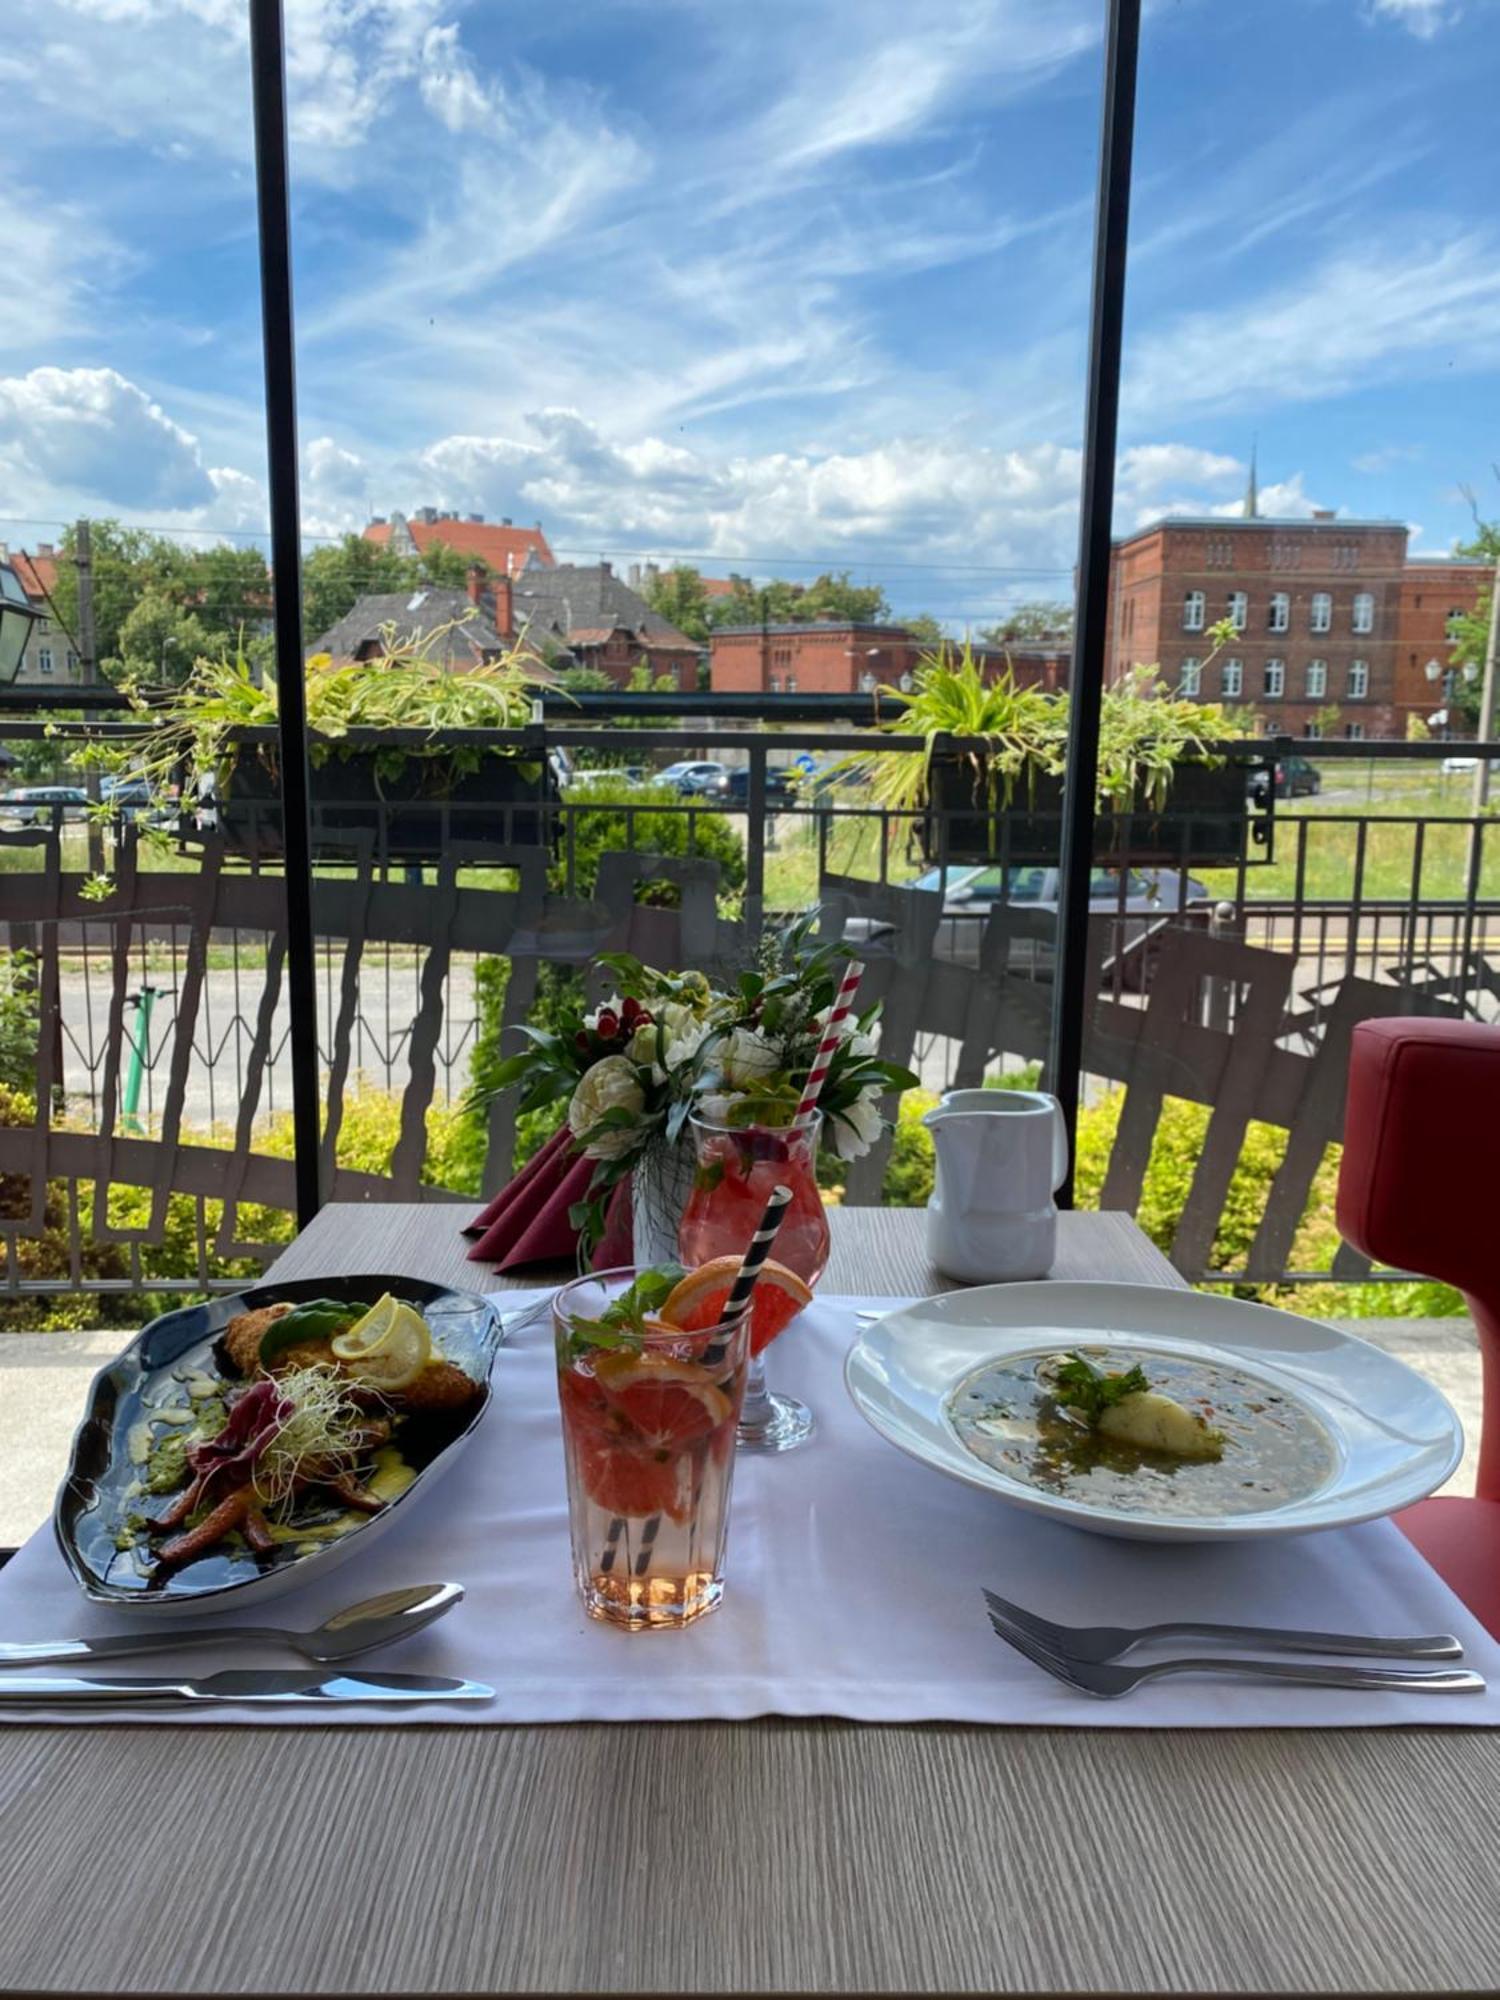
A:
[701,777]
[780,791]
[1294,778]
[970,894]
[1459,767]
[129,798]
[38,805]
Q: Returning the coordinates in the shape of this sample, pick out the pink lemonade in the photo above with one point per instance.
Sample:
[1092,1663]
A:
[648,1424]
[738,1166]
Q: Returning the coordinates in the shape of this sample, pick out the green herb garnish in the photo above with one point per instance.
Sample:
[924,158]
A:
[1079,1385]
[314,1319]
[623,1321]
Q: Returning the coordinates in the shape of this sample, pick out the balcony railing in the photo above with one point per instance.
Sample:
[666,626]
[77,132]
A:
[151,1147]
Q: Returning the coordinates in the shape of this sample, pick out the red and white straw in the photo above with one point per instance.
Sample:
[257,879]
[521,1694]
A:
[843,1002]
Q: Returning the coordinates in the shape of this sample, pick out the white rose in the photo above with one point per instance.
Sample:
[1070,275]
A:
[748,1058]
[857,1127]
[686,1034]
[860,1044]
[611,1085]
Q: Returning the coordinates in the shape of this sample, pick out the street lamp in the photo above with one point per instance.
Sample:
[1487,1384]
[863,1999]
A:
[17,616]
[1433,669]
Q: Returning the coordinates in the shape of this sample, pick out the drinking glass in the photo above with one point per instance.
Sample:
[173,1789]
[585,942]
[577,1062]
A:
[648,1444]
[738,1166]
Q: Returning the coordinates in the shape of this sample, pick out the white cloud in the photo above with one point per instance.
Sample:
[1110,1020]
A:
[1423,17]
[450,88]
[1386,309]
[1145,469]
[84,432]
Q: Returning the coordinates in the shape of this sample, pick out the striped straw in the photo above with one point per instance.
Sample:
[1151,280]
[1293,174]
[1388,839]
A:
[817,1075]
[756,1252]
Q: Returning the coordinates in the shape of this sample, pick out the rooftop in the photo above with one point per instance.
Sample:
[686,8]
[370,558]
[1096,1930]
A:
[503,546]
[584,599]
[415,614]
[1238,524]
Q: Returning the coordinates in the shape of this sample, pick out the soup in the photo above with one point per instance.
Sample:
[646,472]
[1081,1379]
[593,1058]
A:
[1273,1450]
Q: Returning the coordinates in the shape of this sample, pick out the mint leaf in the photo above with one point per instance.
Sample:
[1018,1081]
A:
[1079,1385]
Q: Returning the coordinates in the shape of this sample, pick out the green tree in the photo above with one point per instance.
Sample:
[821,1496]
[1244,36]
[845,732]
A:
[159,641]
[678,595]
[445,566]
[125,562]
[779,602]
[1469,636]
[228,589]
[924,627]
[1039,621]
[335,576]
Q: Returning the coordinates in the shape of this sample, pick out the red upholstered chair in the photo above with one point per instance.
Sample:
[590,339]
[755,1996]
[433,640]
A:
[1419,1187]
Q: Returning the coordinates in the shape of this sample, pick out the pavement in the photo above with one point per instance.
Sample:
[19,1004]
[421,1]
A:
[44,1380]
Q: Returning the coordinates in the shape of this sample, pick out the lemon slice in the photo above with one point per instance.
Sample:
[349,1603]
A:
[389,1347]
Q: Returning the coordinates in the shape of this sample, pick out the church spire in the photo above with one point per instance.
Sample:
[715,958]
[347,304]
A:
[1252,495]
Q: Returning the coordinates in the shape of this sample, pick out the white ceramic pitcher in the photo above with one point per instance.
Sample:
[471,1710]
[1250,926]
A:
[1001,1156]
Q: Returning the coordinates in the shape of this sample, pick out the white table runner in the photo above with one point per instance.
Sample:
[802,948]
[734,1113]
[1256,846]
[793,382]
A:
[854,1580]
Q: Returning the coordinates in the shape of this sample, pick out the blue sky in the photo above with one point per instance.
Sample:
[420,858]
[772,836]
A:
[797,283]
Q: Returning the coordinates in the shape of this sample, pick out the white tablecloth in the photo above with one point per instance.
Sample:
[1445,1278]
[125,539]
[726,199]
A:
[854,1580]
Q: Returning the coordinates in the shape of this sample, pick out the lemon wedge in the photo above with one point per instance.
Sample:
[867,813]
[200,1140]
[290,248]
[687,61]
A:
[389,1347]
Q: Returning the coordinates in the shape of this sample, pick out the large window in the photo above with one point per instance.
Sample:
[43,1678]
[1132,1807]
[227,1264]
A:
[1364,611]
[1355,731]
[1317,679]
[1232,678]
[1320,612]
[1192,677]
[1194,606]
[1274,685]
[1279,615]
[1239,610]
[1359,679]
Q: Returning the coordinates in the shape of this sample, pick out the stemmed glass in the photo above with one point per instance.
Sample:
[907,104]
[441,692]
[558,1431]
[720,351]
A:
[737,1167]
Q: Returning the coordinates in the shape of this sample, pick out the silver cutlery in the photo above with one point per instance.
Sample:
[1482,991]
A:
[1098,1643]
[244,1685]
[375,1621]
[1108,1682]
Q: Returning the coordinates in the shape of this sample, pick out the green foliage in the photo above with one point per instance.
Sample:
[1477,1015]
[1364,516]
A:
[219,589]
[447,567]
[336,575]
[159,641]
[20,1026]
[1039,621]
[778,602]
[656,828]
[1469,636]
[678,595]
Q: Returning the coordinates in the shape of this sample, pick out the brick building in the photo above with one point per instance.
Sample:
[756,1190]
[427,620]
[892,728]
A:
[1435,590]
[838,656]
[1317,605]
[600,621]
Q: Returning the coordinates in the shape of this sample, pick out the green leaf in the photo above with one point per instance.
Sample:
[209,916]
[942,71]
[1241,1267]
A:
[1079,1385]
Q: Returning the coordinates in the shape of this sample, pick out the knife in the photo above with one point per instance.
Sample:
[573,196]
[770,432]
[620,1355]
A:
[252,1684]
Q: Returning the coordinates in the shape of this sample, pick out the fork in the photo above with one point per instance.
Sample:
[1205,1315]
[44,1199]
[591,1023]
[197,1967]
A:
[1095,1644]
[1108,1683]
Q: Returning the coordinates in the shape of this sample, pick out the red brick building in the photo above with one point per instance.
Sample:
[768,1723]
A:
[837,656]
[1434,591]
[1317,606]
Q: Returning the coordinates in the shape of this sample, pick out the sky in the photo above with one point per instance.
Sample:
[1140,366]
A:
[769,288]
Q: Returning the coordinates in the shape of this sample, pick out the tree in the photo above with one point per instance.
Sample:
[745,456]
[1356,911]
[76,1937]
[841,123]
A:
[779,602]
[1039,621]
[1469,636]
[678,595]
[449,567]
[335,576]
[159,641]
[125,562]
[924,627]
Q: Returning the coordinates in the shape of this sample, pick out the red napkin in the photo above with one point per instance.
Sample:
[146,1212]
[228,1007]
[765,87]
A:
[527,1222]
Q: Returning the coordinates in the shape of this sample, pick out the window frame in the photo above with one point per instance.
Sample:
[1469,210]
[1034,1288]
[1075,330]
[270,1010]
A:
[1315,680]
[1279,611]
[1360,670]
[1190,679]
[1320,611]
[1232,691]
[1362,613]
[1239,610]
[1273,680]
[1194,610]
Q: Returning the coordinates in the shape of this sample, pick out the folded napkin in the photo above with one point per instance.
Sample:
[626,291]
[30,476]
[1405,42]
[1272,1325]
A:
[527,1222]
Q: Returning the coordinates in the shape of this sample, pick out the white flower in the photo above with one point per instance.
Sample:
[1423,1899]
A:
[714,1106]
[747,1058]
[860,1044]
[857,1127]
[611,1085]
[686,1034]
[609,1006]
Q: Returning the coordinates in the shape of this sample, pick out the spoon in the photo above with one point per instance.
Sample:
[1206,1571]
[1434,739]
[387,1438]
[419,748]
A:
[376,1621]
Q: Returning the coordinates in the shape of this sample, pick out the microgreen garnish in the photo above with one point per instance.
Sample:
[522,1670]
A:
[1079,1385]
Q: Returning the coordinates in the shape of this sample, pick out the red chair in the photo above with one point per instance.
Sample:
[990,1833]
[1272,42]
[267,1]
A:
[1419,1187]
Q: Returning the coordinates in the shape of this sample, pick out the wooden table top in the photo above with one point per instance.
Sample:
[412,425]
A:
[773,1856]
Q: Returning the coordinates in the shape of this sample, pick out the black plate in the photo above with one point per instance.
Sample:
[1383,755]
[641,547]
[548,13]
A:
[91,1501]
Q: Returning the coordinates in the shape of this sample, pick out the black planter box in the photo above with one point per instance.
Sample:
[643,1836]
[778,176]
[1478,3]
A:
[408,817]
[1207,821]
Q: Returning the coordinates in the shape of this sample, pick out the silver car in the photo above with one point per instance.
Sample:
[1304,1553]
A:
[1146,897]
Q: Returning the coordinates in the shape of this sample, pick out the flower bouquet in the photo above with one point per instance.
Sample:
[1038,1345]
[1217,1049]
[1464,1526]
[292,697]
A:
[668,1046]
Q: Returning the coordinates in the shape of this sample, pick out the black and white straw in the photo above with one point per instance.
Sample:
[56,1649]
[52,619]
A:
[757,1250]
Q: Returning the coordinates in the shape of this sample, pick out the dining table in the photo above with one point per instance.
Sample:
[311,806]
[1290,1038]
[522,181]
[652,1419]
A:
[774,1855]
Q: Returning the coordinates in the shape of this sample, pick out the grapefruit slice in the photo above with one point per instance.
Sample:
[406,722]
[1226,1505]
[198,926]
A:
[634,1483]
[670,1404]
[697,1301]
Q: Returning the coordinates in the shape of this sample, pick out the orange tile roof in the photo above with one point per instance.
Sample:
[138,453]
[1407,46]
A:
[504,549]
[38,574]
[719,586]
